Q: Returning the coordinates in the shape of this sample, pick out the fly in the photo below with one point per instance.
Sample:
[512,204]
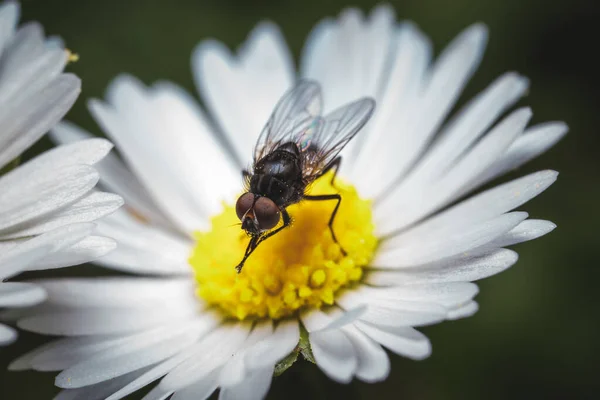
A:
[296,147]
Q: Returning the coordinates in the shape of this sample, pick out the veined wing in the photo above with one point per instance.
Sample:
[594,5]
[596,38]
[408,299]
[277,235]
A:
[334,133]
[296,113]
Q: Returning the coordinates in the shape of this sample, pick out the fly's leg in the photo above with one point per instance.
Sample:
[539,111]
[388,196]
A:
[325,197]
[335,165]
[256,240]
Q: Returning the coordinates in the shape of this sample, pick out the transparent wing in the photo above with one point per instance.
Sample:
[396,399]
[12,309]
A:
[335,131]
[297,112]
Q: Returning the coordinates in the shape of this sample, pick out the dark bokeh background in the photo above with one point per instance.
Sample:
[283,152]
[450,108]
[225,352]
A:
[537,333]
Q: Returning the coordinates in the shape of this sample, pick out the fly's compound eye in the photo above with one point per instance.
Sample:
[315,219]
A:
[266,212]
[243,204]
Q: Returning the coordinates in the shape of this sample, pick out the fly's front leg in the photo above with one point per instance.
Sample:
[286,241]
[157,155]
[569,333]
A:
[256,240]
[286,222]
[325,197]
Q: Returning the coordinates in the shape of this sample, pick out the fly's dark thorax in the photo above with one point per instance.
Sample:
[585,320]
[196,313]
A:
[278,175]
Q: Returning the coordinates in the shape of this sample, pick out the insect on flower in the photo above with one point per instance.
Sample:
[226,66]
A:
[296,147]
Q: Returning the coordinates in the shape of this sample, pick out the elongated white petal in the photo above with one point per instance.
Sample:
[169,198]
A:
[334,354]
[274,348]
[7,335]
[259,75]
[488,204]
[145,351]
[459,269]
[89,208]
[151,375]
[143,249]
[130,292]
[36,115]
[236,370]
[464,311]
[210,353]
[422,249]
[9,16]
[373,364]
[128,124]
[19,294]
[86,250]
[98,391]
[44,193]
[395,108]
[527,230]
[27,252]
[394,313]
[114,175]
[254,387]
[104,321]
[531,144]
[467,127]
[417,203]
[199,390]
[404,341]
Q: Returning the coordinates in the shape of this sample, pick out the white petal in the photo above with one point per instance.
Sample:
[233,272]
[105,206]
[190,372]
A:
[489,204]
[64,353]
[147,349]
[463,311]
[469,124]
[274,348]
[394,313]
[9,16]
[463,268]
[143,248]
[447,294]
[119,292]
[19,294]
[199,390]
[437,245]
[394,110]
[29,251]
[242,91]
[527,230]
[151,375]
[442,88]
[87,152]
[404,341]
[89,208]
[137,128]
[254,387]
[44,193]
[114,175]
[334,318]
[17,261]
[7,335]
[373,362]
[210,353]
[421,201]
[349,58]
[86,250]
[98,391]
[35,116]
[334,354]
[102,321]
[235,370]
[532,143]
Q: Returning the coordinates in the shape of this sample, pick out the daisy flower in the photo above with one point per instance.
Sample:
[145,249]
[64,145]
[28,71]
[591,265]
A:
[46,204]
[415,235]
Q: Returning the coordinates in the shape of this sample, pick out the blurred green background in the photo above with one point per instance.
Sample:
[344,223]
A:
[537,334]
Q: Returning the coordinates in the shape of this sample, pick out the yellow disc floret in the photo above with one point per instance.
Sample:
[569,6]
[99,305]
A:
[299,267]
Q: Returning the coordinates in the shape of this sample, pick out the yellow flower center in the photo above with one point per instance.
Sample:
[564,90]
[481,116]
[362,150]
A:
[299,267]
